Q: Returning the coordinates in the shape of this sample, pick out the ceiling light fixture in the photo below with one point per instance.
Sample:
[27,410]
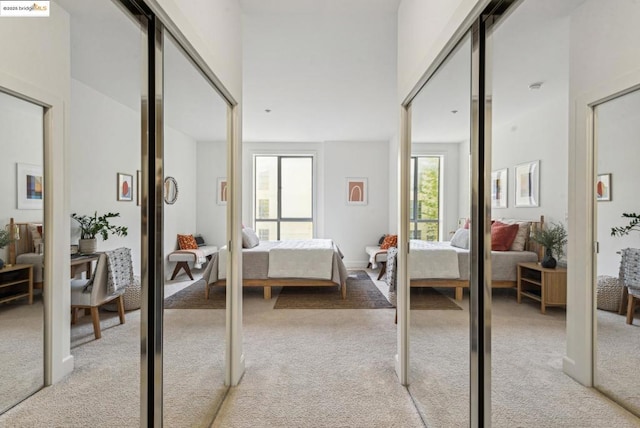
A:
[454,111]
[535,86]
[268,110]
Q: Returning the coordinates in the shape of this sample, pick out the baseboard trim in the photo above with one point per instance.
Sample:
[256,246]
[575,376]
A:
[571,369]
[355,264]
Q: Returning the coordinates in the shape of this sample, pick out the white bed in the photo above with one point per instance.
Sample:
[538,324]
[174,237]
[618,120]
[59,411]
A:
[310,263]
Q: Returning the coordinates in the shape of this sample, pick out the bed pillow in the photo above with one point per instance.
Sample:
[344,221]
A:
[502,236]
[249,238]
[389,241]
[199,240]
[187,242]
[522,236]
[461,238]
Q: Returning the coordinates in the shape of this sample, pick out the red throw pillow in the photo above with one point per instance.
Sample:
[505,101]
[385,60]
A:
[502,236]
[389,241]
[187,242]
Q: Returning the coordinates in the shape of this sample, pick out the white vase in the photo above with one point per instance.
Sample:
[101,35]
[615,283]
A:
[87,246]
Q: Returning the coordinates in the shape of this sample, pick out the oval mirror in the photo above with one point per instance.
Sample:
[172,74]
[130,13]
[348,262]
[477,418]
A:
[170,190]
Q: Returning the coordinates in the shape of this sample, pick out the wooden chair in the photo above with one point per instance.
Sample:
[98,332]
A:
[98,296]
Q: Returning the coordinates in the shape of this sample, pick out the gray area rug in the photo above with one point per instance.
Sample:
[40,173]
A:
[362,293]
[192,297]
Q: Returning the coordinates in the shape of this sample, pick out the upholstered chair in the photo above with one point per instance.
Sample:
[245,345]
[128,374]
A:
[98,295]
[630,275]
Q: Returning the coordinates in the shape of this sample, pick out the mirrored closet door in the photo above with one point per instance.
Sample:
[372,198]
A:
[195,221]
[439,209]
[617,347]
[21,250]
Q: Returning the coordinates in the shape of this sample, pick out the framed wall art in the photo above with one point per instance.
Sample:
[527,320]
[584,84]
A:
[499,188]
[125,187]
[222,191]
[29,186]
[603,187]
[356,191]
[527,186]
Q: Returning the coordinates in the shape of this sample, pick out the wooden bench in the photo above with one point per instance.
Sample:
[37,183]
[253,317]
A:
[376,255]
[183,257]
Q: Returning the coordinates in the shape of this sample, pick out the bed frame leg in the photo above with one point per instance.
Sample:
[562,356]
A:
[267,292]
[343,290]
[459,292]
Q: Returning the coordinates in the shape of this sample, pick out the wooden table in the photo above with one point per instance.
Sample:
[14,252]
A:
[13,280]
[83,264]
[547,286]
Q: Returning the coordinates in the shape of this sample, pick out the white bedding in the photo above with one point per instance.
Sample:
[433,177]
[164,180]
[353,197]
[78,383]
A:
[312,258]
[432,260]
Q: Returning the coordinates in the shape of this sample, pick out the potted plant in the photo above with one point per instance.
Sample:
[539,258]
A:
[553,238]
[91,226]
[634,224]
[5,239]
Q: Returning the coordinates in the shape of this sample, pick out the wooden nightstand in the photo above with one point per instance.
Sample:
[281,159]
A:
[547,286]
[16,282]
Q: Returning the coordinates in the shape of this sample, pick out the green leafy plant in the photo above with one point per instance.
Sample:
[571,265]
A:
[634,224]
[91,226]
[5,238]
[552,237]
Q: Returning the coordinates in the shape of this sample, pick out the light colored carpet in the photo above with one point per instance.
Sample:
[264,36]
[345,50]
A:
[324,368]
[103,390]
[318,368]
[529,388]
[21,350]
[618,356]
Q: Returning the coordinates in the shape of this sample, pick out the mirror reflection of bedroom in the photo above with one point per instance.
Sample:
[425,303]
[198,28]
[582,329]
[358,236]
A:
[617,348]
[195,228]
[194,158]
[529,92]
[21,250]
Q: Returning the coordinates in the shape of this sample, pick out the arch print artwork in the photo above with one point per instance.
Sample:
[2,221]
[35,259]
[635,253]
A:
[356,191]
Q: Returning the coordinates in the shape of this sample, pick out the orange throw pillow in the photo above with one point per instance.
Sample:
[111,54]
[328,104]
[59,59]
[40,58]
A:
[502,236]
[187,242]
[389,241]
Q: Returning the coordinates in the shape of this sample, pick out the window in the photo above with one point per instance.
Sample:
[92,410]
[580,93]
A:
[425,198]
[284,197]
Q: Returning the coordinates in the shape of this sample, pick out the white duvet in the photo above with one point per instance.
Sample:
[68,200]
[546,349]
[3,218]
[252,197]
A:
[429,260]
[312,258]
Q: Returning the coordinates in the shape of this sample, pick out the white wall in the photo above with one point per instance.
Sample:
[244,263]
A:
[21,141]
[464,168]
[214,28]
[211,218]
[37,64]
[618,129]
[535,135]
[105,140]
[450,182]
[180,162]
[604,61]
[424,27]
[352,227]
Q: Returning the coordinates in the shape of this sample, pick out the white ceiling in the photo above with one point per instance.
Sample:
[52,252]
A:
[326,70]
[530,45]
